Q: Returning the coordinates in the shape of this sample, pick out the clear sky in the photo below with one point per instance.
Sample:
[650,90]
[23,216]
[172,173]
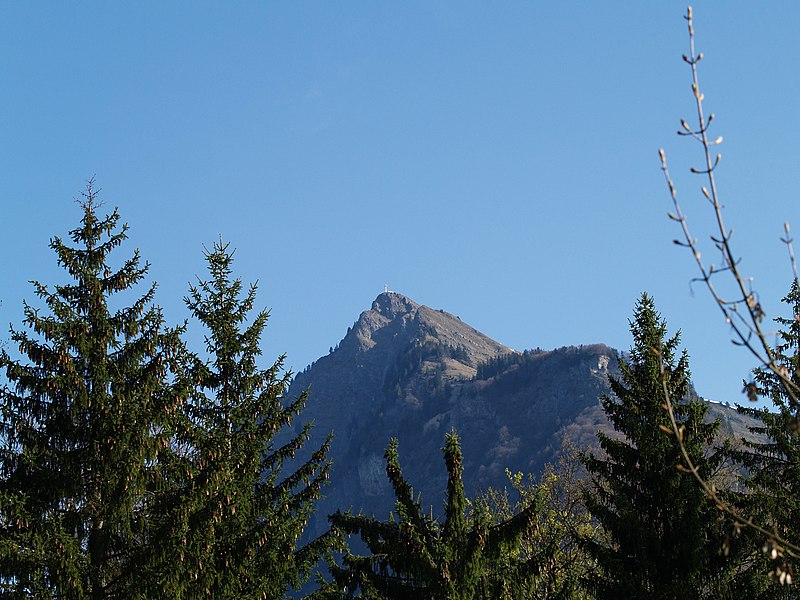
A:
[496,160]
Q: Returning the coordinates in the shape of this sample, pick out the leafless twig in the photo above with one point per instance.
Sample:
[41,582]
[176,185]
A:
[775,544]
[743,313]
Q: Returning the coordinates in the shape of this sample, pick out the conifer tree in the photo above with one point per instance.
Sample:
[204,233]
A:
[665,537]
[772,455]
[416,556]
[236,517]
[85,416]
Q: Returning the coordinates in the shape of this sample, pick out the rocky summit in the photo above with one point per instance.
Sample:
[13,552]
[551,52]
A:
[410,372]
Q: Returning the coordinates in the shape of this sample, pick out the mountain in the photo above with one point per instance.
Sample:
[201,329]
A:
[408,371]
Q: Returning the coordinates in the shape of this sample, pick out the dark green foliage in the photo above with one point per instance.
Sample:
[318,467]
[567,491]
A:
[417,556]
[84,422]
[237,516]
[131,468]
[773,483]
[555,537]
[665,537]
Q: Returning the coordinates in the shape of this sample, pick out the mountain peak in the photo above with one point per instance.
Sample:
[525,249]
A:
[393,304]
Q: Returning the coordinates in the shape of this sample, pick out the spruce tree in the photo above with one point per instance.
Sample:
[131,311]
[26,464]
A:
[665,538]
[468,556]
[236,516]
[85,416]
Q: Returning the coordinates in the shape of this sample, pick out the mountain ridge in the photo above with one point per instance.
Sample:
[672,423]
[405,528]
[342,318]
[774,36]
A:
[407,371]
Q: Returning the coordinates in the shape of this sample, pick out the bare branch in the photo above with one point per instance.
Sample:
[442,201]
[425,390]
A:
[744,314]
[772,536]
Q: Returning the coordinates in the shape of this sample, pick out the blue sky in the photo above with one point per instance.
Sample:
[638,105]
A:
[496,160]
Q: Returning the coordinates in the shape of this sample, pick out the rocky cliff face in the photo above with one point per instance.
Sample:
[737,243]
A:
[396,344]
[405,370]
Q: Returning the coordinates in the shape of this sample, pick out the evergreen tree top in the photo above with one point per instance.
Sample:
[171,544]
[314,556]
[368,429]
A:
[416,556]
[663,533]
[86,418]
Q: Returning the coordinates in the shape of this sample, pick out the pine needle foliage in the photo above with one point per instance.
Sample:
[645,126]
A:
[665,538]
[237,516]
[85,415]
[416,556]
